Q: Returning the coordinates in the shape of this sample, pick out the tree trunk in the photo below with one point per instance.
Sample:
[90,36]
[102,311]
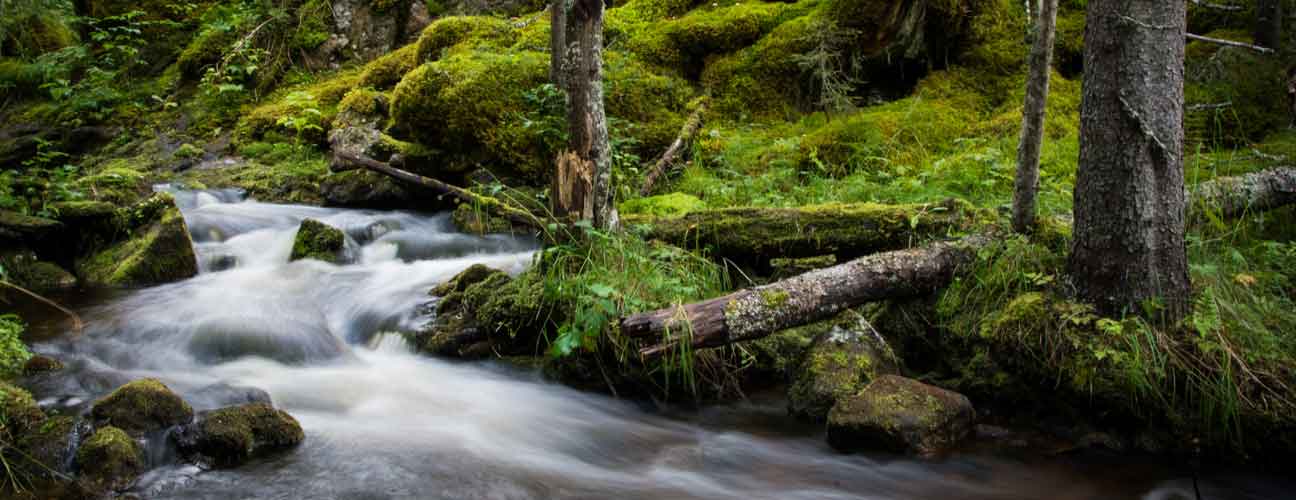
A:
[1032,132]
[757,312]
[557,42]
[1128,248]
[1268,23]
[589,148]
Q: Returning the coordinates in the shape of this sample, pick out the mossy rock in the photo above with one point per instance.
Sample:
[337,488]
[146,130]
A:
[475,273]
[900,415]
[141,406]
[39,364]
[109,460]
[687,41]
[319,241]
[231,436]
[366,189]
[666,205]
[19,412]
[469,219]
[23,269]
[71,212]
[484,32]
[385,72]
[158,250]
[839,363]
[50,447]
[16,227]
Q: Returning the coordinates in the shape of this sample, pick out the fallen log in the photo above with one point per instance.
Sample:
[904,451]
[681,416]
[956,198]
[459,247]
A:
[487,203]
[757,312]
[753,236]
[1235,196]
[671,156]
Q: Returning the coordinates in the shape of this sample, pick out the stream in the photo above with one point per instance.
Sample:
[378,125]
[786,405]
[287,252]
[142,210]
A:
[383,422]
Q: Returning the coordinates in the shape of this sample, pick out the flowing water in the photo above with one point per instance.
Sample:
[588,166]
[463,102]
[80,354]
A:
[383,422]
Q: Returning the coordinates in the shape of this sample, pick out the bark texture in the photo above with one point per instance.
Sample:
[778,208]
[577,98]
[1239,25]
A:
[586,119]
[1268,23]
[1128,245]
[757,312]
[671,157]
[753,236]
[557,41]
[1032,132]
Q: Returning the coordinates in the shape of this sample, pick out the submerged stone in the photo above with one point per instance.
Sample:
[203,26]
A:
[159,249]
[141,406]
[838,364]
[231,436]
[319,241]
[109,460]
[901,415]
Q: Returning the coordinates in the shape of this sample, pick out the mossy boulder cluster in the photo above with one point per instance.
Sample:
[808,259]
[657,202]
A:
[142,406]
[482,311]
[319,241]
[837,365]
[901,415]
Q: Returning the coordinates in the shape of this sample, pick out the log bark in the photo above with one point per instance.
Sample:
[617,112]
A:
[1129,248]
[757,312]
[557,42]
[753,236]
[487,203]
[671,157]
[1236,196]
[1032,132]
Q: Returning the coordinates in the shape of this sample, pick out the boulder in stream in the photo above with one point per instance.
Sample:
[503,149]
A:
[837,365]
[231,436]
[141,406]
[158,250]
[319,241]
[109,460]
[902,415]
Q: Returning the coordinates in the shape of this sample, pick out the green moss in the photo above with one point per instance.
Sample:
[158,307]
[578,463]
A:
[386,71]
[23,269]
[666,205]
[49,446]
[900,415]
[764,81]
[362,102]
[189,151]
[997,39]
[282,174]
[475,32]
[319,99]
[207,49]
[159,249]
[318,241]
[119,182]
[685,42]
[473,220]
[314,24]
[232,436]
[19,413]
[141,406]
[843,357]
[110,459]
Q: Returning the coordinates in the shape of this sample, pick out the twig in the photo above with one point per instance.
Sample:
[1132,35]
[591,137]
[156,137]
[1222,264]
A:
[76,320]
[1229,43]
[668,159]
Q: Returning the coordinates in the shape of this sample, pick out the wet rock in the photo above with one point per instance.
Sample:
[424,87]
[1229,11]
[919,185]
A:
[222,395]
[469,219]
[902,415]
[365,189]
[319,241]
[53,445]
[41,364]
[475,273]
[838,364]
[109,460]
[224,339]
[454,330]
[24,269]
[159,249]
[231,436]
[141,406]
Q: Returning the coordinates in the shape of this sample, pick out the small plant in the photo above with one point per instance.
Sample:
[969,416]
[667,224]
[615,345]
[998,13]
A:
[13,352]
[306,119]
[45,179]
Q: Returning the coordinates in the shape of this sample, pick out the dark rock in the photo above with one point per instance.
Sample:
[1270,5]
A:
[902,415]
[19,228]
[319,241]
[109,460]
[365,189]
[53,445]
[222,395]
[231,436]
[25,270]
[141,406]
[838,364]
[41,364]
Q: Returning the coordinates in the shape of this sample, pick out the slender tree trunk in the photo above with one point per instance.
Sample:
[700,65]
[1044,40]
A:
[557,41]
[1032,132]
[1268,23]
[590,155]
[1128,248]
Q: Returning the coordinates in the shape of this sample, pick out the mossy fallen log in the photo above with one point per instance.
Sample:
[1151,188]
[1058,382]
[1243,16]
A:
[754,236]
[757,312]
[670,159]
[1228,197]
